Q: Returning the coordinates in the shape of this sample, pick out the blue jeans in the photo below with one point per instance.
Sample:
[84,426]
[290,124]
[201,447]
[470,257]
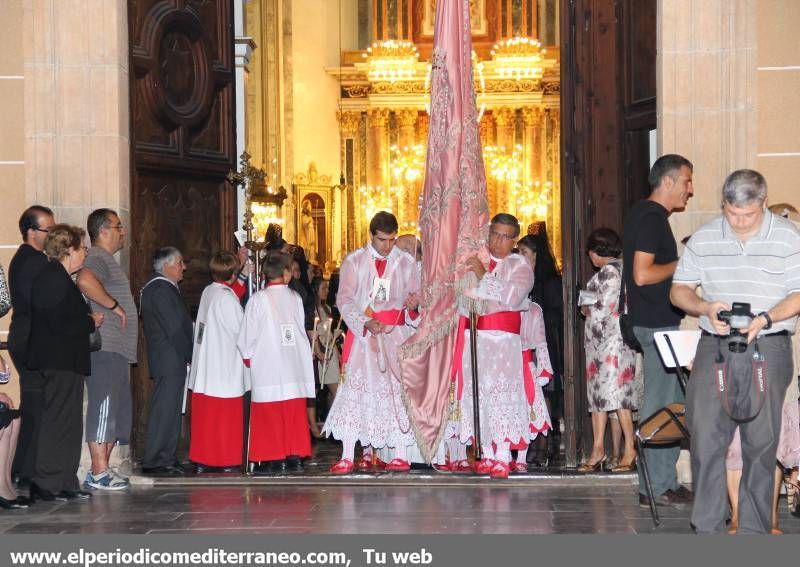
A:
[661,388]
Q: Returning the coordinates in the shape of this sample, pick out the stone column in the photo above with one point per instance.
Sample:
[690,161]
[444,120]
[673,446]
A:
[708,83]
[76,117]
[377,142]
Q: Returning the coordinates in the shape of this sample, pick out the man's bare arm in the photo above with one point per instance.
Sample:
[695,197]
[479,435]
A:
[647,272]
[684,297]
[91,287]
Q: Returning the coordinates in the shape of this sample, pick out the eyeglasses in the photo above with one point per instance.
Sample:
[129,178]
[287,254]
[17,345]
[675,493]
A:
[45,230]
[118,226]
[500,235]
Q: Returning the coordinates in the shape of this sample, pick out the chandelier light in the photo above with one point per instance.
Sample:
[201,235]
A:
[391,60]
[378,198]
[406,163]
[518,58]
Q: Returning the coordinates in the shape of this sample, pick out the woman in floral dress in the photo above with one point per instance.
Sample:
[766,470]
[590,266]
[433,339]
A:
[610,364]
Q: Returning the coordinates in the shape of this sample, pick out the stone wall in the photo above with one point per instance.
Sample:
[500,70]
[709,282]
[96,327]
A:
[63,112]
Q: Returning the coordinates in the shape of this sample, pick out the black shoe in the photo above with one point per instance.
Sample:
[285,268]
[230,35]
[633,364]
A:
[168,470]
[680,497]
[75,494]
[674,498]
[39,493]
[294,464]
[15,504]
[269,468]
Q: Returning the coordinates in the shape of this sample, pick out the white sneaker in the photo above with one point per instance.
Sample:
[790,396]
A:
[106,480]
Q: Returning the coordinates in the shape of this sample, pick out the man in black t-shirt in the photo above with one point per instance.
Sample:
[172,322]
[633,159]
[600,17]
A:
[650,257]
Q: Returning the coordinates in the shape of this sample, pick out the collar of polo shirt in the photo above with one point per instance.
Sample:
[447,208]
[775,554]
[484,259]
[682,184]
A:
[763,232]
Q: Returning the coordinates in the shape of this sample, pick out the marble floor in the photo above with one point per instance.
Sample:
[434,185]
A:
[533,506]
[543,501]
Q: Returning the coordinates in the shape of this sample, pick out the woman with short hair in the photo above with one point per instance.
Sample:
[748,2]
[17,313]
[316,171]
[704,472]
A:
[58,349]
[610,363]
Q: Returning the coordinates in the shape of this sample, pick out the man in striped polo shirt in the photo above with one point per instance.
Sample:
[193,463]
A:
[748,255]
[109,411]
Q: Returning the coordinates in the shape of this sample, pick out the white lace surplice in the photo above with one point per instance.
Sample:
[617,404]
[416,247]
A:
[368,405]
[532,335]
[504,412]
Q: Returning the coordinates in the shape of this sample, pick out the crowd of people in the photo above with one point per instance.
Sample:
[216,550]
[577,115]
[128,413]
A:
[262,347]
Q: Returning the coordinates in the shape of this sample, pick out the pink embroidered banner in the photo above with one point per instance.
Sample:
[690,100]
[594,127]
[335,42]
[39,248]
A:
[453,221]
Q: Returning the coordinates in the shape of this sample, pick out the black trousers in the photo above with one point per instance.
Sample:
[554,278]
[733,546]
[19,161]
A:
[712,431]
[31,384]
[164,424]
[58,451]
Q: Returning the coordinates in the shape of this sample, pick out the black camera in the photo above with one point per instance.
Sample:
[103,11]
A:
[739,318]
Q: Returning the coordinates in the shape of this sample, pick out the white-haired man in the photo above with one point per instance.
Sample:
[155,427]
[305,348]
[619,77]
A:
[168,333]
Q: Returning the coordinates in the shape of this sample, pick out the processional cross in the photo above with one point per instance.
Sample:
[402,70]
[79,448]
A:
[245,177]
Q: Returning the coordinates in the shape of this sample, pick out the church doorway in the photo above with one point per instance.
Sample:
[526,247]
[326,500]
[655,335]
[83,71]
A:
[568,145]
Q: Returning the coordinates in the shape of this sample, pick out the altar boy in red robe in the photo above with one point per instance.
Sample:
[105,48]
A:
[274,344]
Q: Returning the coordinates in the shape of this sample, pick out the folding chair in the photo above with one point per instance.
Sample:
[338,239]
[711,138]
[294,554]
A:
[664,427]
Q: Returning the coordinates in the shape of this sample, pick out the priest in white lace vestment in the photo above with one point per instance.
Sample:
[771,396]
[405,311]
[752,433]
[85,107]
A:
[377,285]
[503,286]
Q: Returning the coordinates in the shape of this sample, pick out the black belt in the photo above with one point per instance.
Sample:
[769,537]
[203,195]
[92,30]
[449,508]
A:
[768,335]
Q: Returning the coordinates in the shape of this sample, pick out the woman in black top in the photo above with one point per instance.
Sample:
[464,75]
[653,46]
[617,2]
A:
[58,349]
[547,292]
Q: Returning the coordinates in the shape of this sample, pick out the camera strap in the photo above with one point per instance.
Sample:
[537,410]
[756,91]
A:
[758,375]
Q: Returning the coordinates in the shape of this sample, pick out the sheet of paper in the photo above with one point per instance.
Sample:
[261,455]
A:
[684,343]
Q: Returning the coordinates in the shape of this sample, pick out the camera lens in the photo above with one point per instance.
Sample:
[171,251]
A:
[737,344]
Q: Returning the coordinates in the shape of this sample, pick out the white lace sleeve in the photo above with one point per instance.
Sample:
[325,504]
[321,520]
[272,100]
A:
[5,295]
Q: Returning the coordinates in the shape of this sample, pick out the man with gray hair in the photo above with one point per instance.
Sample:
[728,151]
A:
[168,333]
[747,263]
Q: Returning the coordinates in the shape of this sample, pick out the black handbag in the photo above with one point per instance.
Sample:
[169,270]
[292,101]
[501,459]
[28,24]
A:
[7,415]
[625,325]
[95,339]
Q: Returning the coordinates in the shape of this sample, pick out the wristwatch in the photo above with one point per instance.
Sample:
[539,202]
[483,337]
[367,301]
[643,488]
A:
[766,316]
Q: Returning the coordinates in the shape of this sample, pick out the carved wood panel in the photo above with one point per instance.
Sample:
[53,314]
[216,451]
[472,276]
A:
[182,146]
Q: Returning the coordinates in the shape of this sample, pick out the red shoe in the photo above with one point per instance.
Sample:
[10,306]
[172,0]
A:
[378,464]
[484,466]
[516,467]
[398,465]
[461,466]
[500,470]
[365,463]
[342,466]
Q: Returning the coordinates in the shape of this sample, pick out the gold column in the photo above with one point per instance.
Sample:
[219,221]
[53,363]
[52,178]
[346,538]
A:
[487,129]
[531,118]
[555,116]
[505,119]
[422,129]
[348,127]
[377,138]
[407,213]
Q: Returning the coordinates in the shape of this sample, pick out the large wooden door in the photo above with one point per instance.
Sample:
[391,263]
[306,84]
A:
[608,99]
[182,146]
